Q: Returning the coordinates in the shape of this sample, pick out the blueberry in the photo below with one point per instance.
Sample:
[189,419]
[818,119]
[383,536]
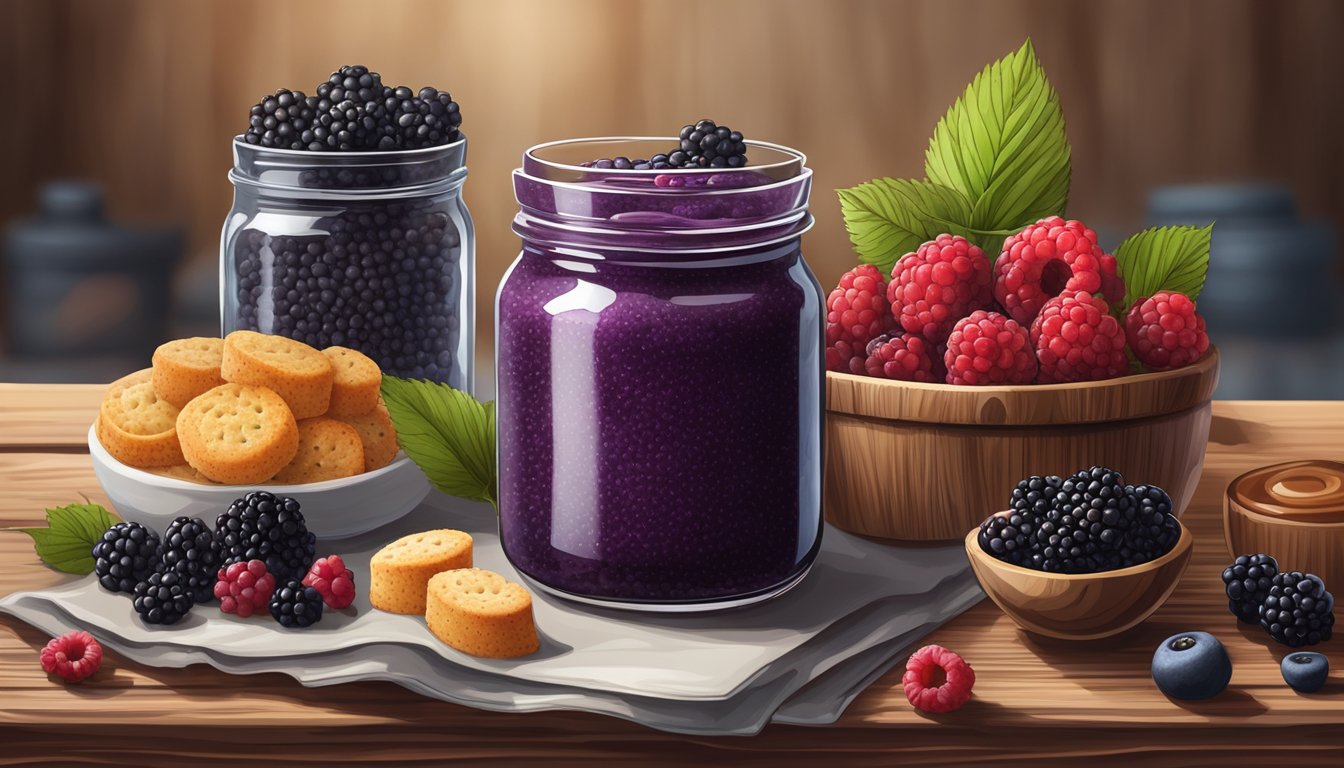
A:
[1305,671]
[1191,666]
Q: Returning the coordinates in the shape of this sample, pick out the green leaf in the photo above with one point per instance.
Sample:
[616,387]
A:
[448,433]
[66,544]
[1002,145]
[888,218]
[1164,259]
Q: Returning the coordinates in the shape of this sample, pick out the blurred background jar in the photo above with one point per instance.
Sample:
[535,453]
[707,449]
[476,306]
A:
[368,250]
[1272,298]
[85,298]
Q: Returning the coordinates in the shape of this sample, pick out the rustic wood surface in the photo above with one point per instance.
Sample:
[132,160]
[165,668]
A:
[1038,702]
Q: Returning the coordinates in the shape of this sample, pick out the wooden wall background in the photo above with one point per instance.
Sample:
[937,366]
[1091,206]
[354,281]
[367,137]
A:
[144,96]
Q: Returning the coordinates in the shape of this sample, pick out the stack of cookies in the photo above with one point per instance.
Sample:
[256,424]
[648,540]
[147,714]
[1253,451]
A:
[471,609]
[249,409]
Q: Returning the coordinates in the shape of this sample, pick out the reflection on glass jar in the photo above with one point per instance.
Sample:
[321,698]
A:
[659,381]
[368,250]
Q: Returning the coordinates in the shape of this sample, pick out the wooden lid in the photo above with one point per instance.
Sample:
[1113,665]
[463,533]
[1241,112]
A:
[1120,399]
[1309,491]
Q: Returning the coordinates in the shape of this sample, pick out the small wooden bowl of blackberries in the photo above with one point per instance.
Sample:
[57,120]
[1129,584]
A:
[1080,557]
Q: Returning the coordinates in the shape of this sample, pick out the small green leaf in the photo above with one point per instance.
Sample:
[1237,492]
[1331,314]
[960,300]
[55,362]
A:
[66,544]
[1003,146]
[448,433]
[1164,259]
[888,218]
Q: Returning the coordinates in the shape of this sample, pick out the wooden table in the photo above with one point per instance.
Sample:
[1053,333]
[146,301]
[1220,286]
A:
[1037,702]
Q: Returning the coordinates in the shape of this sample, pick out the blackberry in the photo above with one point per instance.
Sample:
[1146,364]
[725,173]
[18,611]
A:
[264,526]
[424,120]
[163,598]
[296,606]
[1298,610]
[191,551]
[125,556]
[706,145]
[1086,523]
[283,120]
[1247,581]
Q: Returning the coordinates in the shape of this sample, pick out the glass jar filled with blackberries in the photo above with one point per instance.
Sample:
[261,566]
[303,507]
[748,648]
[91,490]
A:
[348,226]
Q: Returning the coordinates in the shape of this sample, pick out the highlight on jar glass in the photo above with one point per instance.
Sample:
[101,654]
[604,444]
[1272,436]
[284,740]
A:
[348,226]
[660,373]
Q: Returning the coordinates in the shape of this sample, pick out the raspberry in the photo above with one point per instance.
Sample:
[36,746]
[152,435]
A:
[988,348]
[844,355]
[1165,331]
[1048,258]
[244,588]
[333,581]
[72,656]
[857,309]
[1076,339]
[937,285]
[937,680]
[902,356]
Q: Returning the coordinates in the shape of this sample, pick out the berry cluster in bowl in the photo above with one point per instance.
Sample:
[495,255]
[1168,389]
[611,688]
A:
[1049,310]
[1089,522]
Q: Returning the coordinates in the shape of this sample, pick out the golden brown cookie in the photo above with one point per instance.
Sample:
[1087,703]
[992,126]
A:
[354,391]
[136,426]
[328,449]
[378,436]
[478,612]
[182,472]
[237,434]
[296,372]
[399,573]
[185,368]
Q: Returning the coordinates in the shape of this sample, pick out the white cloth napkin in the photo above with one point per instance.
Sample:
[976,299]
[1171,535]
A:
[800,658]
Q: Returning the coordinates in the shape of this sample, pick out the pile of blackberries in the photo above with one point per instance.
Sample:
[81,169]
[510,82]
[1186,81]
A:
[1087,523]
[353,111]
[1294,607]
[703,145]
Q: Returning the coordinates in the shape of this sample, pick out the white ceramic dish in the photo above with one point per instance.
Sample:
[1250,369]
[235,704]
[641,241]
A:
[333,509]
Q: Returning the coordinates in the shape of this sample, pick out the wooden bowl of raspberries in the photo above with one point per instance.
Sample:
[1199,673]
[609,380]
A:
[953,377]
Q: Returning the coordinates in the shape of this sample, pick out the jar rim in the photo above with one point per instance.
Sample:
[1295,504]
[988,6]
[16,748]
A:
[789,165]
[239,142]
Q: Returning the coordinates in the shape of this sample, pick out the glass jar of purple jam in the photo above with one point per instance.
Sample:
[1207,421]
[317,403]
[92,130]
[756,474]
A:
[660,379]
[368,250]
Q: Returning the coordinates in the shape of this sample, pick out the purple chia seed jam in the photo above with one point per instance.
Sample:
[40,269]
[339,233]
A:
[660,382]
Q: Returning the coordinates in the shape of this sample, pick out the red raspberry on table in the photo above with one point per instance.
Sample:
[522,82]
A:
[902,356]
[1076,339]
[1048,258]
[857,310]
[844,355]
[72,656]
[244,588]
[1165,331]
[937,680]
[333,581]
[937,285]
[988,348]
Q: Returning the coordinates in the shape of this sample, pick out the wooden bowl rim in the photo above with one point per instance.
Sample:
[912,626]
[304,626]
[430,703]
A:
[1231,505]
[1012,405]
[1183,544]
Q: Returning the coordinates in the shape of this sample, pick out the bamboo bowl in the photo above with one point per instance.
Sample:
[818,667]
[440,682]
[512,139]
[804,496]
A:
[1292,511]
[1081,606]
[922,462]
